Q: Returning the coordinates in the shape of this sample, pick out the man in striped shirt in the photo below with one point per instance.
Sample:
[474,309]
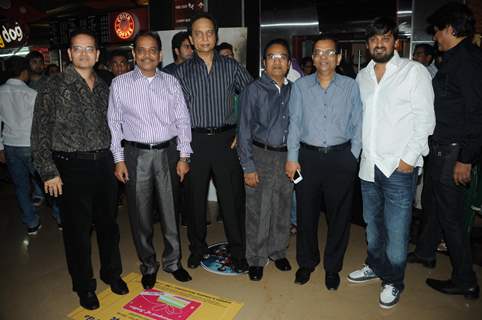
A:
[209,82]
[146,110]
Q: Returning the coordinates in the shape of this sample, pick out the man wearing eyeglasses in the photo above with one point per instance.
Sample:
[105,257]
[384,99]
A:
[70,147]
[263,131]
[324,142]
[147,110]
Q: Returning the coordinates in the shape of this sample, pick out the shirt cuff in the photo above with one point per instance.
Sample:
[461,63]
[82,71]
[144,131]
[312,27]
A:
[293,155]
[249,167]
[118,156]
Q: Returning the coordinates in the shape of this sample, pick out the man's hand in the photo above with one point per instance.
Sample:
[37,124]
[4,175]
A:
[251,179]
[462,173]
[2,157]
[404,167]
[290,168]
[121,172]
[234,143]
[53,186]
[182,169]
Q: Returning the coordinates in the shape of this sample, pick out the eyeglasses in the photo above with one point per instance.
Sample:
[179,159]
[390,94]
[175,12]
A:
[277,56]
[79,49]
[327,53]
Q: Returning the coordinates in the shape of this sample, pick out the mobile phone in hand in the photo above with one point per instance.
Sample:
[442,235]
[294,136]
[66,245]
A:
[297,176]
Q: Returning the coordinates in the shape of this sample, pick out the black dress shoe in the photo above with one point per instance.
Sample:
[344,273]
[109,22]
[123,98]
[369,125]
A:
[303,275]
[149,280]
[181,275]
[118,286]
[413,258]
[282,264]
[88,300]
[240,266]
[255,273]
[332,280]
[194,261]
[448,287]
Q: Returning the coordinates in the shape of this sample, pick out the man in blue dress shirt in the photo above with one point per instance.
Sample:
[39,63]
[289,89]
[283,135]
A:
[324,142]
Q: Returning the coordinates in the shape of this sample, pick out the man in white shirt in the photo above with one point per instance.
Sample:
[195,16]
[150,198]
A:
[16,111]
[397,98]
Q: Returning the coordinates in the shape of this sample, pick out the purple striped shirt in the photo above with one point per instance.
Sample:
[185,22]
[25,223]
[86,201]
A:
[147,112]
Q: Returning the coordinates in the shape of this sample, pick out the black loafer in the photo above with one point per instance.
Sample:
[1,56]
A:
[194,261]
[282,264]
[181,275]
[118,286]
[413,258]
[240,266]
[255,273]
[149,280]
[303,275]
[332,280]
[88,300]
[448,287]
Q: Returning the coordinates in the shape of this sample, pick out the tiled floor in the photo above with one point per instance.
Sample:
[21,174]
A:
[35,283]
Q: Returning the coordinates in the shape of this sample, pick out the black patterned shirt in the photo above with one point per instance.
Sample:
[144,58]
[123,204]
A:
[68,117]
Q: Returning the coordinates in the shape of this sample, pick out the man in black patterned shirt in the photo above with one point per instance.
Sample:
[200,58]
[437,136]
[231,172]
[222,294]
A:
[70,147]
[209,82]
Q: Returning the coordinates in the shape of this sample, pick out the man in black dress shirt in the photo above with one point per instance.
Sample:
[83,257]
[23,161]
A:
[70,148]
[209,82]
[454,147]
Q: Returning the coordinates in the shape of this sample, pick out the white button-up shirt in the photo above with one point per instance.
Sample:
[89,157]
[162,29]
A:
[16,112]
[398,116]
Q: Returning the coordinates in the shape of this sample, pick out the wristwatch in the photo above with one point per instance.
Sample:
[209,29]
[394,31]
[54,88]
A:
[185,159]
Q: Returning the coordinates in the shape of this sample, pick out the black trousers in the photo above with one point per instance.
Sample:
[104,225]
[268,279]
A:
[178,188]
[329,179]
[89,198]
[444,209]
[213,157]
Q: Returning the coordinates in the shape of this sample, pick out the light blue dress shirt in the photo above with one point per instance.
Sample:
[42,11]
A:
[324,117]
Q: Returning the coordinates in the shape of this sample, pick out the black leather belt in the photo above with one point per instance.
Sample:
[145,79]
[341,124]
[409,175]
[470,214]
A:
[147,146]
[267,147]
[81,155]
[213,131]
[326,150]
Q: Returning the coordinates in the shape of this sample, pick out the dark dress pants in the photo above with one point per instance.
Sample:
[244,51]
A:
[447,214]
[329,179]
[89,198]
[213,157]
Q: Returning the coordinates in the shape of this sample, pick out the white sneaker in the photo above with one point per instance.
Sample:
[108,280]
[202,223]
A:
[389,296]
[363,275]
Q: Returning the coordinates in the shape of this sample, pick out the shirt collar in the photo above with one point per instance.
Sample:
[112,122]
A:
[265,78]
[453,51]
[197,59]
[16,82]
[137,73]
[316,82]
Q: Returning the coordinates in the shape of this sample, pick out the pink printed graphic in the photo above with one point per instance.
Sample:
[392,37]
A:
[159,305]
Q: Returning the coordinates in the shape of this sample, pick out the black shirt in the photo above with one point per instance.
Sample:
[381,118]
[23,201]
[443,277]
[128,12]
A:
[209,96]
[69,117]
[170,68]
[458,100]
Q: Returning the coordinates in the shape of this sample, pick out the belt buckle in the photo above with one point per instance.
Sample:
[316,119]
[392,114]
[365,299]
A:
[325,150]
[212,131]
[151,146]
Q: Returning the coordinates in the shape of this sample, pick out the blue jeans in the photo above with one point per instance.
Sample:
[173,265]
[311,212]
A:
[20,167]
[387,210]
[38,193]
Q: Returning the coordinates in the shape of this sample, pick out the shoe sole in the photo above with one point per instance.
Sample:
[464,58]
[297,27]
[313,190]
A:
[387,307]
[34,233]
[361,281]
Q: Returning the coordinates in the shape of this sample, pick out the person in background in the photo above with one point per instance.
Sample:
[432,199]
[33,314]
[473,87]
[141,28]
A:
[52,69]
[225,49]
[37,70]
[307,66]
[17,102]
[425,54]
[262,136]
[455,147]
[181,51]
[119,62]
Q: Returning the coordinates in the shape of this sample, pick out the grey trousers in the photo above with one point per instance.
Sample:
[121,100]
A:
[268,209]
[149,181]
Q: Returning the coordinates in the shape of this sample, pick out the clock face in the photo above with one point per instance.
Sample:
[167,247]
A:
[124,25]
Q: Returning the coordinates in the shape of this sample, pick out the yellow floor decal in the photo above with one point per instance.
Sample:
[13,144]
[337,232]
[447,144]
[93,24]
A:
[163,302]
